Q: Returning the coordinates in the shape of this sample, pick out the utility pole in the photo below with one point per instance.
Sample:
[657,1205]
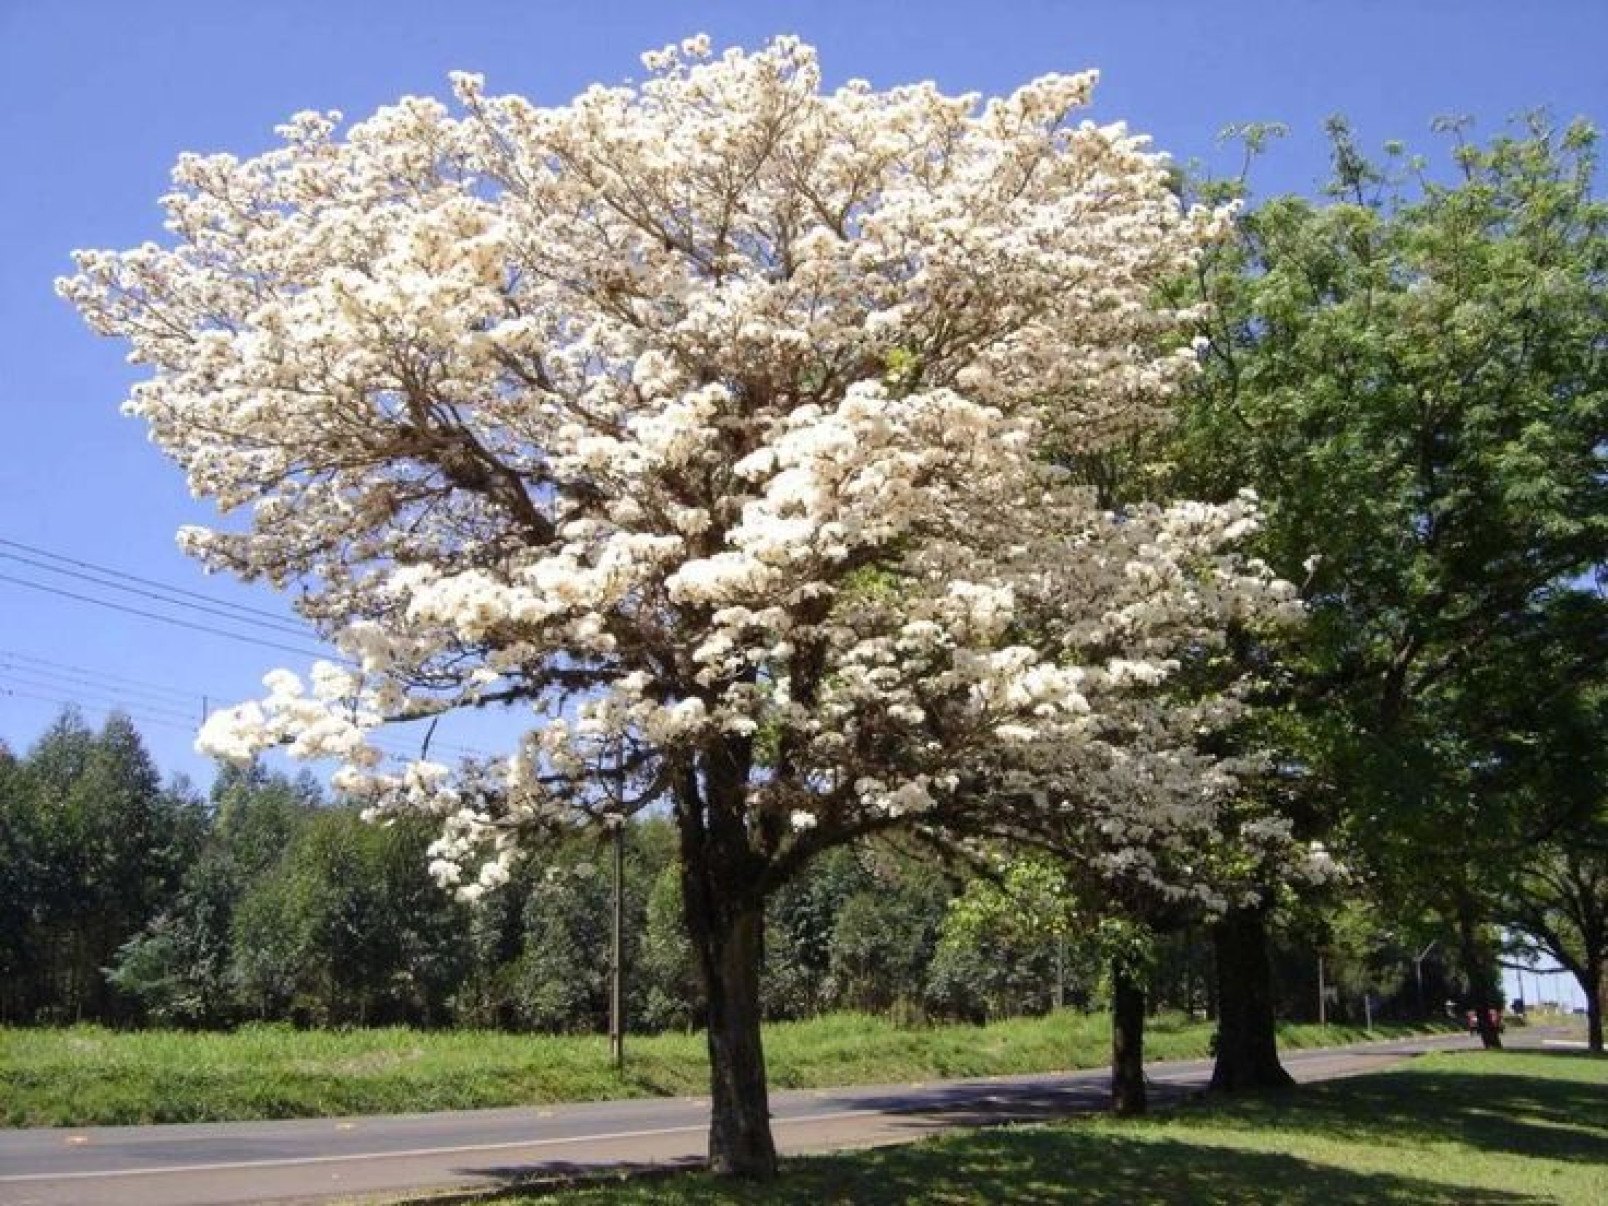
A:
[617,977]
[1323,996]
[1060,969]
[1418,970]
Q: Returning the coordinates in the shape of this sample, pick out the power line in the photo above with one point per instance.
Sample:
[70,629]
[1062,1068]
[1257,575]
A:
[173,620]
[97,575]
[151,582]
[94,678]
[73,679]
[73,703]
[36,660]
[222,612]
[24,689]
[164,709]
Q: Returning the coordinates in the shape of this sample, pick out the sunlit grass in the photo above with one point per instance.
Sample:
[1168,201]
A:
[87,1075]
[1465,1129]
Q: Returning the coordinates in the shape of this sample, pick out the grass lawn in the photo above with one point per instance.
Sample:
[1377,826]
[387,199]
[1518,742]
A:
[83,1075]
[1460,1129]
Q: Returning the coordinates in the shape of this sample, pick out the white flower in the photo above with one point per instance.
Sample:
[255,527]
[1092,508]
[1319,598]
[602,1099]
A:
[702,417]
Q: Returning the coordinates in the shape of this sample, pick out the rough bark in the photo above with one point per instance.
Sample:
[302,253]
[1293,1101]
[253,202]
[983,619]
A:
[740,1142]
[1127,1042]
[725,916]
[1247,1038]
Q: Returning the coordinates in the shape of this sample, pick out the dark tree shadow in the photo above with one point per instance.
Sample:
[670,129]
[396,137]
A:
[1063,1166]
[1527,1115]
[993,1104]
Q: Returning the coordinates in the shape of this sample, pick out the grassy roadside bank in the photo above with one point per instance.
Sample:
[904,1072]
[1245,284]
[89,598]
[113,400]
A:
[85,1075]
[1458,1129]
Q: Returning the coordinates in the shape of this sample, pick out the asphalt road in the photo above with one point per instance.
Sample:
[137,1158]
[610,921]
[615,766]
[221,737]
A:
[225,1164]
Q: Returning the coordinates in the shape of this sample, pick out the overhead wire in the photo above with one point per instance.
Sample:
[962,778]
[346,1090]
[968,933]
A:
[181,598]
[80,678]
[79,690]
[175,621]
[279,626]
[35,671]
[94,678]
[105,711]
[91,566]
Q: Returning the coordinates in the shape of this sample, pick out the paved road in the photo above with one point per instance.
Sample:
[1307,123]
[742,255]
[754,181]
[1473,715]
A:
[226,1164]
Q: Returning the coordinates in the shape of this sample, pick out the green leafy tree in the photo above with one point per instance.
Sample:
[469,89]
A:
[672,995]
[100,847]
[182,968]
[1411,374]
[1560,905]
[179,966]
[1011,945]
[884,936]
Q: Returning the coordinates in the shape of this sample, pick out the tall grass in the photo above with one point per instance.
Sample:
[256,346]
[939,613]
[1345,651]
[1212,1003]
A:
[87,1075]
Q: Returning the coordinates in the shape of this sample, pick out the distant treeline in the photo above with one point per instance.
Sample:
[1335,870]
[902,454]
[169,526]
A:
[131,902]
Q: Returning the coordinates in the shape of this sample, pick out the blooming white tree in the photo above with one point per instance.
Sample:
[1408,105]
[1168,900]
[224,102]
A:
[702,417]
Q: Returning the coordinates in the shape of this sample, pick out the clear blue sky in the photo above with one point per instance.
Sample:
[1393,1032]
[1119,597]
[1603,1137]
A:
[98,97]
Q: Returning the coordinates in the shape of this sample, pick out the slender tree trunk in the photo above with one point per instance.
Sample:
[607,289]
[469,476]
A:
[1127,1042]
[1247,1038]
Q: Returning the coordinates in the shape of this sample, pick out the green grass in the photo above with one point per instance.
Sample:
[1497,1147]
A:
[1458,1129]
[85,1075]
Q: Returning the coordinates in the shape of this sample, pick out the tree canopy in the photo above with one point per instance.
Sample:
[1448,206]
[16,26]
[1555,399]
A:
[709,417]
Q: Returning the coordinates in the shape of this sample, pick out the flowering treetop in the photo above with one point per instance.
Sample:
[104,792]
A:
[706,417]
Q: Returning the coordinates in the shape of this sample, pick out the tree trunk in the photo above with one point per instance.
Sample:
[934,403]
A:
[725,917]
[1475,967]
[1595,988]
[1127,1042]
[740,1141]
[1247,1039]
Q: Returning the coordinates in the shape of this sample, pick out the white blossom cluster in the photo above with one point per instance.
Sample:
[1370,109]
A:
[704,418]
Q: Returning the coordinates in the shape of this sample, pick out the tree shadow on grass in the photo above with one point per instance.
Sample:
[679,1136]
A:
[1060,1166]
[1535,1116]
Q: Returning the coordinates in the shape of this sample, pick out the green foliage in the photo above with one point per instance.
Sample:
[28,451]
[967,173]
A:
[1411,376]
[179,967]
[884,937]
[672,998]
[347,928]
[97,845]
[1013,945]
[1558,906]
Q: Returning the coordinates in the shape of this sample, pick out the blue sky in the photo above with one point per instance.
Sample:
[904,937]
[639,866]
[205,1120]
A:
[98,97]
